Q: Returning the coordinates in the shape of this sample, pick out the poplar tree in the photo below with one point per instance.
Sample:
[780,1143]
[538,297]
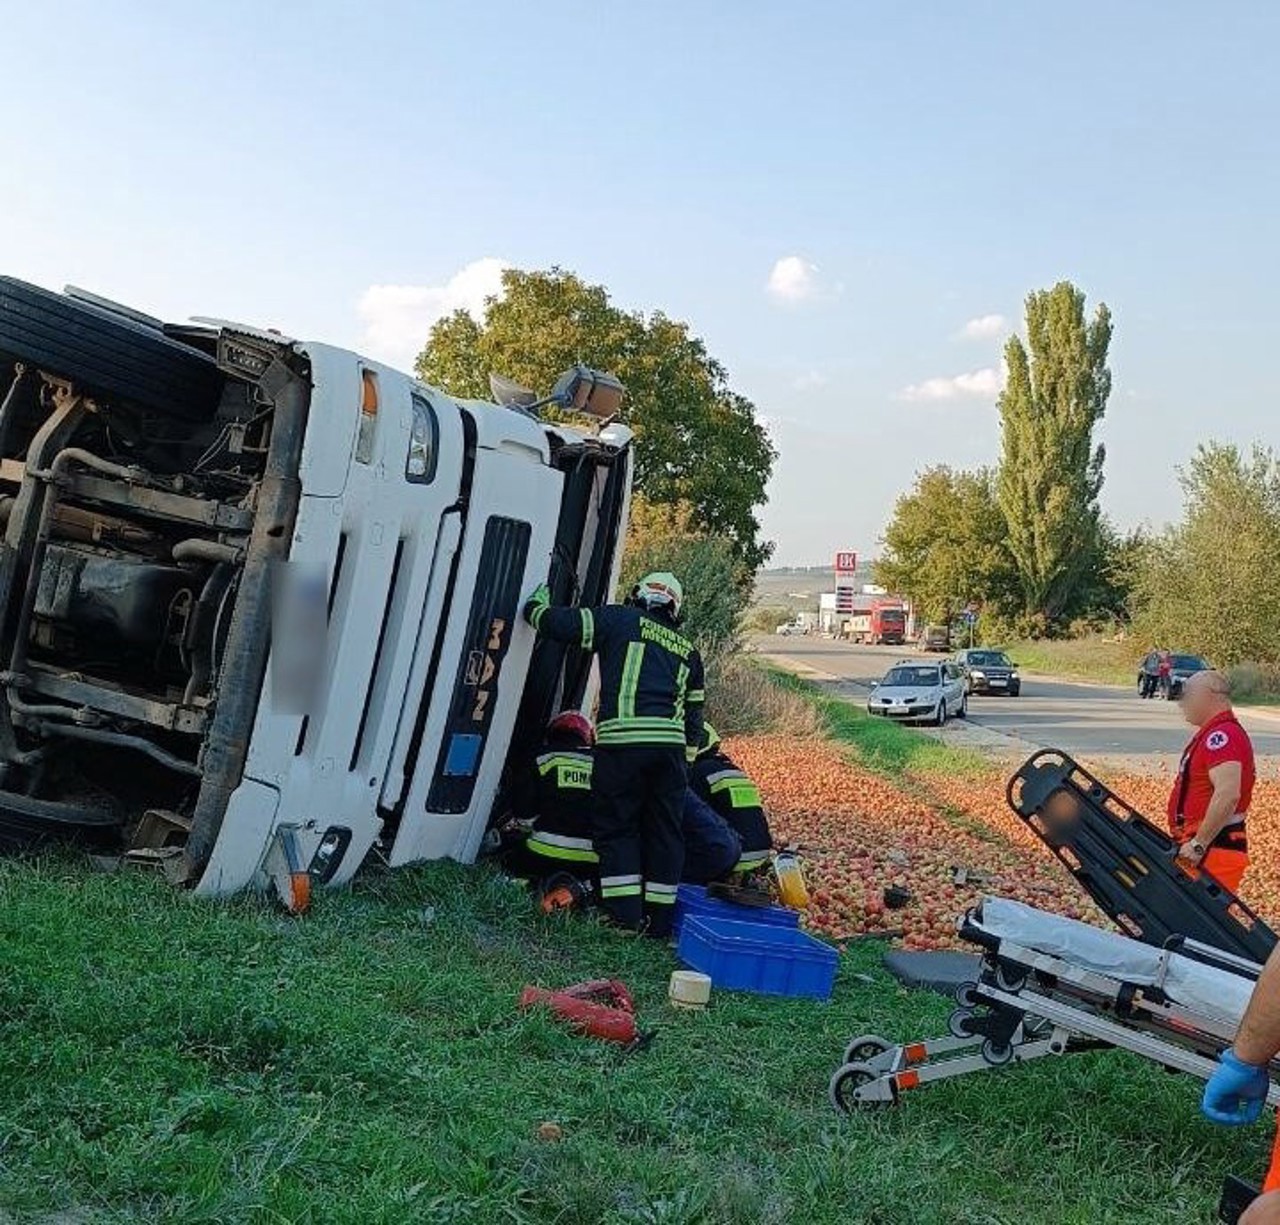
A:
[1050,470]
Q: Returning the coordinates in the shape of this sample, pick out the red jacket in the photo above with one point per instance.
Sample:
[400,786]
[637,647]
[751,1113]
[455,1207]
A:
[1220,740]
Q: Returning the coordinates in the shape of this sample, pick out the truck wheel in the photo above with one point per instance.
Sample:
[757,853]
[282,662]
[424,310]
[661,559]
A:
[105,354]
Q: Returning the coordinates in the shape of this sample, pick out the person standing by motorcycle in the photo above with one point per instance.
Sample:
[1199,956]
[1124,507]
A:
[650,722]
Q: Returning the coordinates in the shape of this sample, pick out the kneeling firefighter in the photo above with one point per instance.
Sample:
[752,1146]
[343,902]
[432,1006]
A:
[555,803]
[722,784]
[651,696]
[553,799]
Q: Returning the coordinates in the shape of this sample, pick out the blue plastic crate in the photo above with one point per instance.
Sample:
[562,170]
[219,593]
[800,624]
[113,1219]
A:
[693,900]
[760,957]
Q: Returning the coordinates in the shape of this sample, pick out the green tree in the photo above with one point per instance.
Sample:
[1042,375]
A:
[1050,468]
[944,546]
[717,587]
[1106,593]
[1212,583]
[698,441]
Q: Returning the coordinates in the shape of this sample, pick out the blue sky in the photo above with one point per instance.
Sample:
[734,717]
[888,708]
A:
[828,192]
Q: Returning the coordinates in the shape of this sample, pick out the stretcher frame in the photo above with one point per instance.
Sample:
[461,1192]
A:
[1028,1004]
[1129,867]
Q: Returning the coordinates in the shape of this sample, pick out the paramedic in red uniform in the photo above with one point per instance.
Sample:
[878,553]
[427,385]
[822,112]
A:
[1214,785]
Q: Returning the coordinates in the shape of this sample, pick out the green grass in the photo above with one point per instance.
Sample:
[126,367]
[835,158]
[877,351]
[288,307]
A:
[878,743]
[165,1059]
[1090,659]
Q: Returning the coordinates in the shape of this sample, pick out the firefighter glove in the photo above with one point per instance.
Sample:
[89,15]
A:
[1236,1092]
[541,598]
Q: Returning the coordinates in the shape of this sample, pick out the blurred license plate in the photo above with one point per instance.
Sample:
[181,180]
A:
[997,683]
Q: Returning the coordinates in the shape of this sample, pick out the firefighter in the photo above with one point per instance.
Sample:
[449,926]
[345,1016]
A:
[717,779]
[651,697]
[1214,786]
[1236,1092]
[553,805]
[553,799]
[712,847]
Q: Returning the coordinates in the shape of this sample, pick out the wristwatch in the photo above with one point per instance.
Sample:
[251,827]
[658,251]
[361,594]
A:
[1198,848]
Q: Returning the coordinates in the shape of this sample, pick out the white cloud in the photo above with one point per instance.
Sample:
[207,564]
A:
[810,380]
[397,318]
[986,383]
[793,280]
[983,327]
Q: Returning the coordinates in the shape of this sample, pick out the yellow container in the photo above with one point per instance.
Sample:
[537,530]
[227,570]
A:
[791,887]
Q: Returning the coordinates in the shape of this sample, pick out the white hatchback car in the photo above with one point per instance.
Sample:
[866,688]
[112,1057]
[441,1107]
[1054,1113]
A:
[927,692]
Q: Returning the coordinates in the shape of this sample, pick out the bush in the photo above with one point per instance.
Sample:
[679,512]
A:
[1254,682]
[743,699]
[716,591]
[765,618]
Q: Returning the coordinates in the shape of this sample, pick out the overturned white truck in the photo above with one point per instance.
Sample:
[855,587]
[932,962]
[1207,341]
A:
[161,486]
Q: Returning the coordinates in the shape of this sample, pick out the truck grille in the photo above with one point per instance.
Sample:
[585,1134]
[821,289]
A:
[494,608]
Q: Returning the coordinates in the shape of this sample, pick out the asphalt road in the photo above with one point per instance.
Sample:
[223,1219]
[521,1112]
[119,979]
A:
[1083,720]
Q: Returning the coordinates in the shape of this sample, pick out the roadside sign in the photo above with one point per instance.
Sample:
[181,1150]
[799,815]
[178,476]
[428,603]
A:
[969,617]
[846,561]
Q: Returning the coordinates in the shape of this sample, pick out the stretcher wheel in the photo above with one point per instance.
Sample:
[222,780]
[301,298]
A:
[846,1081]
[966,995]
[997,1054]
[1010,980]
[866,1048]
[958,1023]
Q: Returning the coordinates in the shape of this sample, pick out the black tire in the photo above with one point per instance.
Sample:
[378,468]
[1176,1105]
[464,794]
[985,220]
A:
[940,715]
[963,712]
[1016,691]
[105,354]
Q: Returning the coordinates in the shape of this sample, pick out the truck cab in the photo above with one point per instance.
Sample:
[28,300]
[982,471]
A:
[260,597]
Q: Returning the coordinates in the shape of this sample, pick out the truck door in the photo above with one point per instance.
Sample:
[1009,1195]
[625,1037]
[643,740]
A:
[455,750]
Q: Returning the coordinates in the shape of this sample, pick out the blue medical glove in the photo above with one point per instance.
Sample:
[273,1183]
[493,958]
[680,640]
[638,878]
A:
[1236,1092]
[541,598]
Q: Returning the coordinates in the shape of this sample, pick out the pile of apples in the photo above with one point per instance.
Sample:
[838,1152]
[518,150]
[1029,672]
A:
[983,799]
[859,834]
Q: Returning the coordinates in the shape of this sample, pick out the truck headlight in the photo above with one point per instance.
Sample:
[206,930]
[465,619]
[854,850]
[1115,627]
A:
[420,464]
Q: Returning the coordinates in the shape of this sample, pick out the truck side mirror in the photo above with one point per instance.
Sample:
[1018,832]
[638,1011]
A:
[583,390]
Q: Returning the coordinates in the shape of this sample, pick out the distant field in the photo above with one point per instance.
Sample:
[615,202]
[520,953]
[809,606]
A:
[796,590]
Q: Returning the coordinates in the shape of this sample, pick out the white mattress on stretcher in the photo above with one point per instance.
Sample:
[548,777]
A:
[1197,987]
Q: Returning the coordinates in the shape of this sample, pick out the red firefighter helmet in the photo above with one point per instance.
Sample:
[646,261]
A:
[572,725]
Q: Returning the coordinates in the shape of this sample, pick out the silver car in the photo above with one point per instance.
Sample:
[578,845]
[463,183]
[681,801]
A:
[920,692]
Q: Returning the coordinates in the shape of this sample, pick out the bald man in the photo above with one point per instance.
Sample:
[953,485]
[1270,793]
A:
[1211,794]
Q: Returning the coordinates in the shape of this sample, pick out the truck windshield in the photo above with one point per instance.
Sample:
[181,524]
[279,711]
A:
[893,616]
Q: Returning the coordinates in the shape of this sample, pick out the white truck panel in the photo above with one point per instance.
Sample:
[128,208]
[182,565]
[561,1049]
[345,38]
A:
[328,765]
[503,486]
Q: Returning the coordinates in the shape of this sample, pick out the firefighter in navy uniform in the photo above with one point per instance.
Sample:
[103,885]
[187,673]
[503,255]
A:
[553,799]
[651,697]
[718,780]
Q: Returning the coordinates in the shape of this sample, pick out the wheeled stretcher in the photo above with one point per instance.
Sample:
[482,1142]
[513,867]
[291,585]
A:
[1053,986]
[1173,988]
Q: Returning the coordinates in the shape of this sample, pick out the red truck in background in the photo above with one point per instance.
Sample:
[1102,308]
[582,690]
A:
[877,619]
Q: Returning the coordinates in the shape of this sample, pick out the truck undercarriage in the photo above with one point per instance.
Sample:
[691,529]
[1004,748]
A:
[154,482]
